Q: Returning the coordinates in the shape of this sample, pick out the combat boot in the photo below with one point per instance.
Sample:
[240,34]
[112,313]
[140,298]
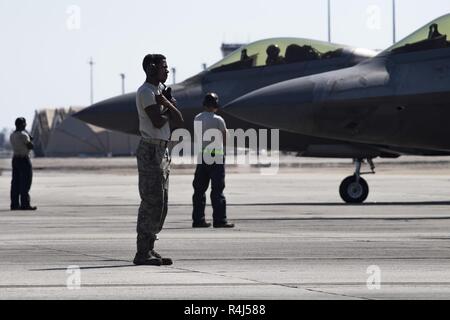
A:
[28,208]
[223,225]
[201,224]
[164,261]
[146,261]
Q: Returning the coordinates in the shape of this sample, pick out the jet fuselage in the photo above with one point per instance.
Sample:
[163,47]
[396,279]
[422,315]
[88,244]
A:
[120,114]
[397,100]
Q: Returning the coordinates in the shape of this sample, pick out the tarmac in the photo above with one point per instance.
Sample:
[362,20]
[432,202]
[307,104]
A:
[294,238]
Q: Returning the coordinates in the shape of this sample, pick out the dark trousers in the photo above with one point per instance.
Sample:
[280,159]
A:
[22,176]
[154,169]
[203,174]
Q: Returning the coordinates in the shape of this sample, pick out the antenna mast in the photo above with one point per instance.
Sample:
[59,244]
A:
[91,64]
[329,20]
[394,18]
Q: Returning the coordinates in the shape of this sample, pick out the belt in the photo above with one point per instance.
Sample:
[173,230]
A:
[213,152]
[21,156]
[158,142]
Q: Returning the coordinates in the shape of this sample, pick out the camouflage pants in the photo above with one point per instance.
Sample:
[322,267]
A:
[154,168]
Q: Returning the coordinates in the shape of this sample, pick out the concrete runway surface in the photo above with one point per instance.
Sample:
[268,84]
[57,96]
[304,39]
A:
[294,238]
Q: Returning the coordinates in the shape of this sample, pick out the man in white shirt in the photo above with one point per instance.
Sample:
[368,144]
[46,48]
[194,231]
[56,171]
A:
[22,171]
[208,170]
[156,109]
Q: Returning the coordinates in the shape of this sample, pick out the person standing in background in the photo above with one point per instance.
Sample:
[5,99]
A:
[214,172]
[22,170]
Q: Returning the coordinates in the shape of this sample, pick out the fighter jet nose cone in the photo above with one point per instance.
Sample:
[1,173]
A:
[92,113]
[244,107]
[275,106]
[82,115]
[118,114]
[232,108]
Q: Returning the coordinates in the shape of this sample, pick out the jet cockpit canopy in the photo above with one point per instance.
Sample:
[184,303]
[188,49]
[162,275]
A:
[433,35]
[277,51]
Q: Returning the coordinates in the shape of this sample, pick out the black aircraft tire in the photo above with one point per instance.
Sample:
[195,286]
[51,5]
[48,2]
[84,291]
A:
[352,191]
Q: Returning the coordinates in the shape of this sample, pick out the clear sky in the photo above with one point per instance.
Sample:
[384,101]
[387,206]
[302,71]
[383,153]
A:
[46,44]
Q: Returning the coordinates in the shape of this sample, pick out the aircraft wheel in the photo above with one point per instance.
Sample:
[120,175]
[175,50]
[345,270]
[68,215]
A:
[352,191]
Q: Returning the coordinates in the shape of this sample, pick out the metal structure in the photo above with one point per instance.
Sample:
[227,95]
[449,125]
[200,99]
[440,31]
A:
[122,76]
[91,65]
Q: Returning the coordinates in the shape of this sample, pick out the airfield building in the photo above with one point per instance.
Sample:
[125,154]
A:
[57,134]
[228,48]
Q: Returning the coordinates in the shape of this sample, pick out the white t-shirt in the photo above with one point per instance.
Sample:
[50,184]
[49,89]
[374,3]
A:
[145,97]
[19,141]
[210,120]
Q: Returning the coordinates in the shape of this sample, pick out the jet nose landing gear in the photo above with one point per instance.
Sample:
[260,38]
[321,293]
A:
[355,189]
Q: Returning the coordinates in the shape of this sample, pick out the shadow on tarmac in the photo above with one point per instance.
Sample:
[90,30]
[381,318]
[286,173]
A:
[86,268]
[326,204]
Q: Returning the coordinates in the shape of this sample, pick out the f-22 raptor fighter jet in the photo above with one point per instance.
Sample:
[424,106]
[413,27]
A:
[398,101]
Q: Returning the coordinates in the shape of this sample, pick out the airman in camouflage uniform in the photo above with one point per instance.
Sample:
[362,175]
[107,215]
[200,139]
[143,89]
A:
[154,169]
[156,109]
